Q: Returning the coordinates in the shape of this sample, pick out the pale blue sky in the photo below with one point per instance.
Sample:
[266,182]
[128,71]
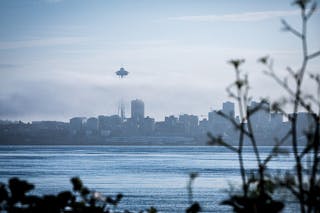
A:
[58,58]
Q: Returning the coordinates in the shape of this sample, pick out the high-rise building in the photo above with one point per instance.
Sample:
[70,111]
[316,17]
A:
[77,124]
[137,110]
[92,124]
[228,109]
[218,123]
[189,122]
[147,127]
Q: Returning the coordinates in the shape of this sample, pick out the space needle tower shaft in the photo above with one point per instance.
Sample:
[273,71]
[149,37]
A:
[121,109]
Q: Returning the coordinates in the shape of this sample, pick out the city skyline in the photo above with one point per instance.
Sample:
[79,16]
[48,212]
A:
[143,114]
[139,128]
[58,58]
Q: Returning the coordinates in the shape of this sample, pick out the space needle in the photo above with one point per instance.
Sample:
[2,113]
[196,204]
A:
[121,108]
[122,72]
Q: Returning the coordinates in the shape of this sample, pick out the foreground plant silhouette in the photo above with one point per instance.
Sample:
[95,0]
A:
[14,198]
[194,206]
[304,183]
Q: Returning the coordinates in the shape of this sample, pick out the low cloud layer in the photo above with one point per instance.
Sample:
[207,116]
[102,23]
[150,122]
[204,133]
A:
[239,17]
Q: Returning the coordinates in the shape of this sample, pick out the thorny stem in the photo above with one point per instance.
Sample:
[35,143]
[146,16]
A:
[315,164]
[256,151]
[240,99]
[316,144]
[242,170]
[295,111]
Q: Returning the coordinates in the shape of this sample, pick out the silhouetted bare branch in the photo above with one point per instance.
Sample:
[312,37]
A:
[287,27]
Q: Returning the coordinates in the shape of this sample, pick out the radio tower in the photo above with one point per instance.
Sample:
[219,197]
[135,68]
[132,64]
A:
[121,108]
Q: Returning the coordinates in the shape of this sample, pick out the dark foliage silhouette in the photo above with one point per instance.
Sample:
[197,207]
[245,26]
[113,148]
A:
[15,198]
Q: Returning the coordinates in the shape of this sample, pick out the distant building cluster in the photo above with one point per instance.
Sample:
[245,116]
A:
[266,125]
[137,125]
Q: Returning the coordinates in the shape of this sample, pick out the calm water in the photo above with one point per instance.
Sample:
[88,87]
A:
[147,176]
